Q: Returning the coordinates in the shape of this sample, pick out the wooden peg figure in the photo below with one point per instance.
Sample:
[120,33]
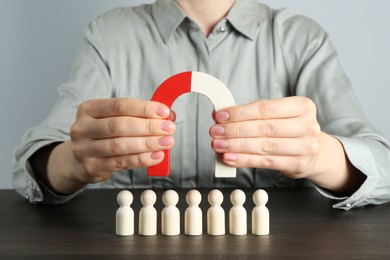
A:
[125,214]
[170,215]
[193,214]
[260,213]
[215,214]
[237,214]
[148,214]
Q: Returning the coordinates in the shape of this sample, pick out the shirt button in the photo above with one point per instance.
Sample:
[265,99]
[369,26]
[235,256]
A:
[222,29]
[36,193]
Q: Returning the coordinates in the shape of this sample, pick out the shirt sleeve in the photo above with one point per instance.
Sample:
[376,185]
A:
[315,72]
[89,79]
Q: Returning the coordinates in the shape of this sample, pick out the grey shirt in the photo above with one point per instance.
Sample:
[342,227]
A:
[257,52]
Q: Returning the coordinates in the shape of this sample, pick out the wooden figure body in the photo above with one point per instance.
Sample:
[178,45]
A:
[237,214]
[170,215]
[193,214]
[260,213]
[125,214]
[148,214]
[215,214]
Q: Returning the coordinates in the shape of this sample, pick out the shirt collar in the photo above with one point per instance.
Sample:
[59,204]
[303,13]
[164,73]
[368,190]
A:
[244,17]
[168,16]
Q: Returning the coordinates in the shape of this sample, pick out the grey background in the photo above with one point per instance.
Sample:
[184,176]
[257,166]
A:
[39,39]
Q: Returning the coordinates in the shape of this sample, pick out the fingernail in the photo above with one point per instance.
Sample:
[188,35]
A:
[156,155]
[167,126]
[217,130]
[162,111]
[222,116]
[165,141]
[221,144]
[231,157]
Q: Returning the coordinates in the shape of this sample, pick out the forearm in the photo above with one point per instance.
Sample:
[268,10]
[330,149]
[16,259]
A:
[333,170]
[54,166]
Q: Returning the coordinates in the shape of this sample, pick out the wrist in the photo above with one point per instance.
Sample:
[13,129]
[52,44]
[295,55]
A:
[63,170]
[332,169]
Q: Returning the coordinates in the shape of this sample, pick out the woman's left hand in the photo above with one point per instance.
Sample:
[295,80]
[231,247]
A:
[280,134]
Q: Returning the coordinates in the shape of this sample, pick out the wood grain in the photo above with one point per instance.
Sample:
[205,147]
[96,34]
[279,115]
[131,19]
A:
[303,226]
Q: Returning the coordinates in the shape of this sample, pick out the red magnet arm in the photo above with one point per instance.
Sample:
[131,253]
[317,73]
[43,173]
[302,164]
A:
[167,93]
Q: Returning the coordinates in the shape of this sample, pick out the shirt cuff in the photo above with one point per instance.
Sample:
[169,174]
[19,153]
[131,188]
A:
[25,182]
[360,156]
[50,197]
[42,194]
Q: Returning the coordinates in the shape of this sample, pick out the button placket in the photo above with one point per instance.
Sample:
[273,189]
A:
[204,177]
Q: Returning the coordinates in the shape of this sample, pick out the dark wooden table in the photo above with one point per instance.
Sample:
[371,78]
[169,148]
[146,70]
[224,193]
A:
[303,226]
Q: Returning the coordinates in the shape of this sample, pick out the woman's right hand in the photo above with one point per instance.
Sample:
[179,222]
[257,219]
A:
[108,135]
[116,134]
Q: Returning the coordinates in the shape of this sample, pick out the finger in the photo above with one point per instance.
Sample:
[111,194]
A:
[266,109]
[292,127]
[128,162]
[126,126]
[113,107]
[172,116]
[266,146]
[213,115]
[127,145]
[290,165]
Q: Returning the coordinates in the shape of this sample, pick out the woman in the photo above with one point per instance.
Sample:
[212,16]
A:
[296,121]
